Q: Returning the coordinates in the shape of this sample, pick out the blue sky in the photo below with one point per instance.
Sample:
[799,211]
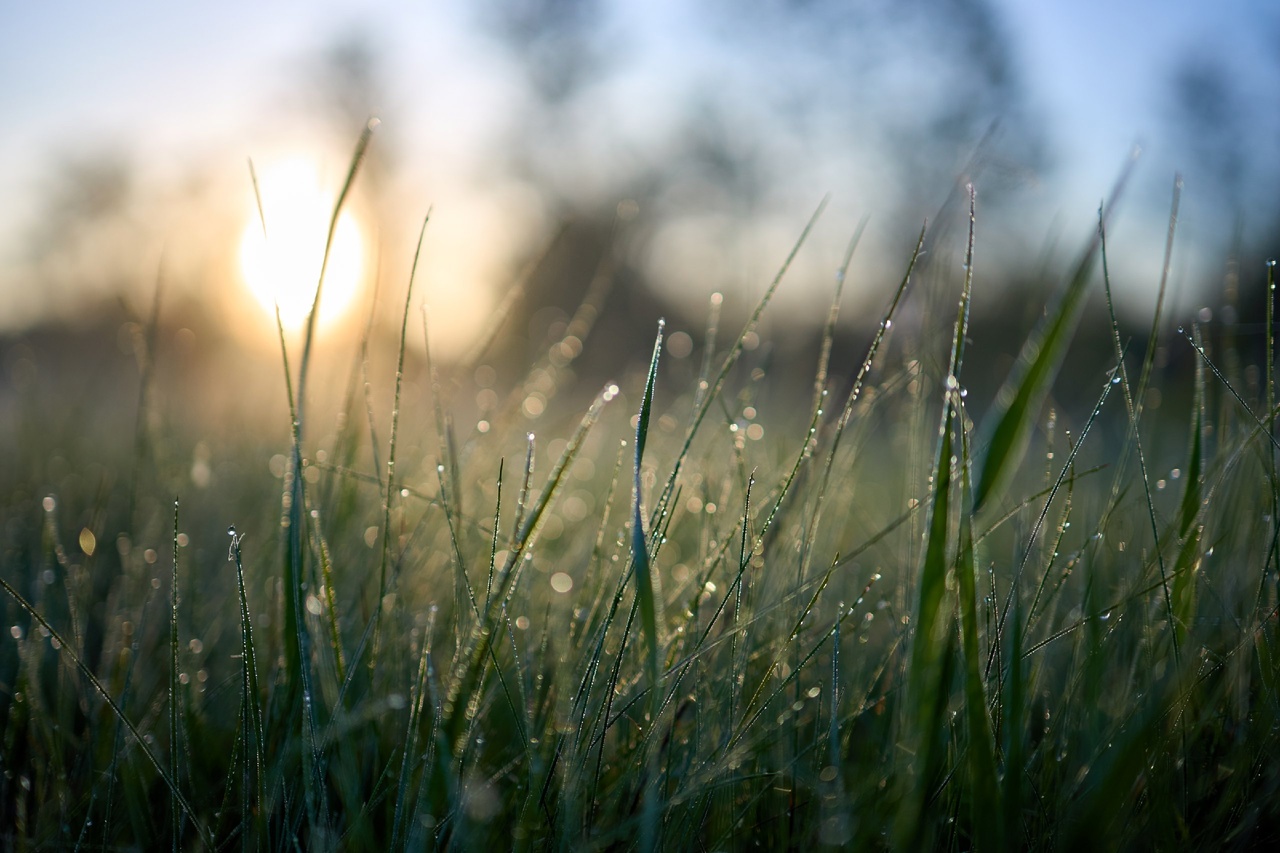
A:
[187,88]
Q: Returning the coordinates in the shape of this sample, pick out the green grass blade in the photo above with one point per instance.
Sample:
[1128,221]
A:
[1017,406]
[389,494]
[175,814]
[1135,430]
[251,701]
[703,401]
[928,676]
[1189,513]
[985,801]
[646,595]
[639,548]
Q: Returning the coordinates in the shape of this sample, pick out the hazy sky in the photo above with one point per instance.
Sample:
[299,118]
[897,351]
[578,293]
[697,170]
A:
[178,88]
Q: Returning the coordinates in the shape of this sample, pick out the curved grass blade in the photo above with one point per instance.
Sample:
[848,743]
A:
[1009,423]
[639,548]
[647,598]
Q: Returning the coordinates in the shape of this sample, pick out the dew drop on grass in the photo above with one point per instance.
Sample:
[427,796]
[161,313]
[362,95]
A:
[15,632]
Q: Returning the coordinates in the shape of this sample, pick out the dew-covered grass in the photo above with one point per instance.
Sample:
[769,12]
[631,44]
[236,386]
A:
[702,607]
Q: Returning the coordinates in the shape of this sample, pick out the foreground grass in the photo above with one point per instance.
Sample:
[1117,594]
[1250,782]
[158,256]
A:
[683,622]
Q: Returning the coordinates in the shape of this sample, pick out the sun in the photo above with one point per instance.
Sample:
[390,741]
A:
[280,264]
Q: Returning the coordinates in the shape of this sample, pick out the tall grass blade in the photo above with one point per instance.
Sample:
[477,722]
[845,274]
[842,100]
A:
[1017,406]
[639,548]
[251,704]
[1190,509]
[389,494]
[703,401]
[175,814]
[1135,430]
[929,672]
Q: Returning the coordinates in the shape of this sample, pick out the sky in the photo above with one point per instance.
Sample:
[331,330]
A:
[185,93]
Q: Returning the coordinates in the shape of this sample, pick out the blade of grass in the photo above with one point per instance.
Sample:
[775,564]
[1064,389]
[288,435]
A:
[175,814]
[1135,428]
[928,674]
[988,808]
[647,598]
[1018,403]
[704,401]
[251,702]
[389,494]
[1189,513]
[639,548]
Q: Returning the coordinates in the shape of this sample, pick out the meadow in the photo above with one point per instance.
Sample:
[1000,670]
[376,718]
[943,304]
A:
[416,605]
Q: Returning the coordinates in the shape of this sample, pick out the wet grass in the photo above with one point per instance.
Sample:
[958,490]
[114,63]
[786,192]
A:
[728,614]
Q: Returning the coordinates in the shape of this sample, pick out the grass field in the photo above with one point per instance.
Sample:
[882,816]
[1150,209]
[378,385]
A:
[707,608]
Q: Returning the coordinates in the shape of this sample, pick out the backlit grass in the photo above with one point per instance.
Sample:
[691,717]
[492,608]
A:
[704,606]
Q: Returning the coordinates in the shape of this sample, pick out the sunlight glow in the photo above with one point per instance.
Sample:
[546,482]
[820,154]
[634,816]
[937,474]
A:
[284,264]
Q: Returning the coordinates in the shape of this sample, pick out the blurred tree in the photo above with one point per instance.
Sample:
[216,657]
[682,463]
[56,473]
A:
[903,91]
[88,238]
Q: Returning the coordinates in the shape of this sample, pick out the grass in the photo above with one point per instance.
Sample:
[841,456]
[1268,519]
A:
[729,615]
